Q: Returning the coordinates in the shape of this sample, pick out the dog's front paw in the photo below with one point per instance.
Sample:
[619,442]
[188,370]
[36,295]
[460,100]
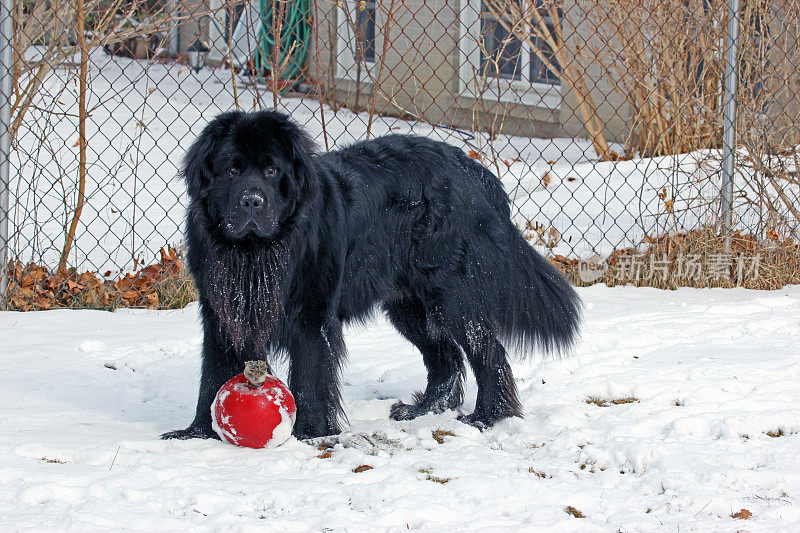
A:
[476,420]
[305,429]
[192,432]
[402,411]
[311,436]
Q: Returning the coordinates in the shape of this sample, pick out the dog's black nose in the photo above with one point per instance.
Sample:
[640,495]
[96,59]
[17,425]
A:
[251,200]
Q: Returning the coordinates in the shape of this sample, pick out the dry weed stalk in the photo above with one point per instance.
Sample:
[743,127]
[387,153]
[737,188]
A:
[45,38]
[82,87]
[768,125]
[527,21]
[229,15]
[483,82]
[665,58]
[374,75]
[47,34]
[275,64]
[376,84]
[321,89]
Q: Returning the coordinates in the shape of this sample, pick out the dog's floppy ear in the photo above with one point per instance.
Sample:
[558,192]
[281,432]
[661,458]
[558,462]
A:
[303,149]
[197,169]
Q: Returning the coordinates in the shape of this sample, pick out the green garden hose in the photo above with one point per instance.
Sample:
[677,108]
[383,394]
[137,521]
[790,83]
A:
[295,38]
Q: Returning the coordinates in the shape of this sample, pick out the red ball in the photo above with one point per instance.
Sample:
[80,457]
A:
[255,417]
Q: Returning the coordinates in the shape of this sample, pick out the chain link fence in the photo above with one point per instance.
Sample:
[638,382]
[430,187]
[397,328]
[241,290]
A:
[607,122]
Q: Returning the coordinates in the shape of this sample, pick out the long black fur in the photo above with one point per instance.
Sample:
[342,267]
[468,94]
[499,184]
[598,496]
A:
[402,222]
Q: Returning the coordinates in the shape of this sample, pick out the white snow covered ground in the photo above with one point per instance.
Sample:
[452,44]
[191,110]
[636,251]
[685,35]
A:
[86,393]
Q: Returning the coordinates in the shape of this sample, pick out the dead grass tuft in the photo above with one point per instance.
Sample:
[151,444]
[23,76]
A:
[537,473]
[594,400]
[591,466]
[428,471]
[691,259]
[177,291]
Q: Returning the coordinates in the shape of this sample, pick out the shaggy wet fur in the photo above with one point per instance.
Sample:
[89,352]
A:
[287,245]
[235,276]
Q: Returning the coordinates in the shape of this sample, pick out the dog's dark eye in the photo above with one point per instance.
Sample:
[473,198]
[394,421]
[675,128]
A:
[233,171]
[270,171]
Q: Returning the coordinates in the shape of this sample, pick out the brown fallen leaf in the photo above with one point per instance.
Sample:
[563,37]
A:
[27,281]
[35,287]
[362,468]
[744,514]
[132,294]
[572,511]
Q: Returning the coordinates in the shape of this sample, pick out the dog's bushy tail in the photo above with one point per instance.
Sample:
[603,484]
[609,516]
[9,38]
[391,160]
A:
[539,309]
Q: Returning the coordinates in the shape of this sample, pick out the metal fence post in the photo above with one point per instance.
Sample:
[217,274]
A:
[6,40]
[729,123]
[174,30]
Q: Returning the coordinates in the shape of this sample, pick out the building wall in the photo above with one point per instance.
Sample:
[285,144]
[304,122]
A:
[194,18]
[421,76]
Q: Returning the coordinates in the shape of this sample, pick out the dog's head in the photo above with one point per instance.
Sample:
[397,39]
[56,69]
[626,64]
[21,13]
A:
[248,173]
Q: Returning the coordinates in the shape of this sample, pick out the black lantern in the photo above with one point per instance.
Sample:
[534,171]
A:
[197,52]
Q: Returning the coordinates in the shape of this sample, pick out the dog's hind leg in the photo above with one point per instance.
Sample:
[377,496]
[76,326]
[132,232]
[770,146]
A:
[442,358]
[497,392]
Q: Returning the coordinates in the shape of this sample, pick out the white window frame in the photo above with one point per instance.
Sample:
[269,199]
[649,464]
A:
[520,91]
[216,32]
[218,43]
[346,66]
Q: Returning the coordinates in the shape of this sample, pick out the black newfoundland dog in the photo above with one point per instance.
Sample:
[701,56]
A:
[287,245]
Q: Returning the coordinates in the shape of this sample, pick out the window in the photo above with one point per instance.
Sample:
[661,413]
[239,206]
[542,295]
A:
[539,73]
[489,51]
[365,32]
[358,38]
[504,51]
